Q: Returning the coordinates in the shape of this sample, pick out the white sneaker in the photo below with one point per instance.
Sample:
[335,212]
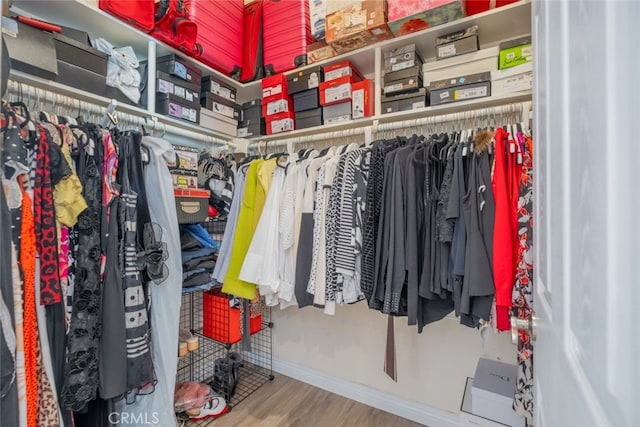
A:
[214,407]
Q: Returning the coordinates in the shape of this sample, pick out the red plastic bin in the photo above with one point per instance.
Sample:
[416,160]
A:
[221,321]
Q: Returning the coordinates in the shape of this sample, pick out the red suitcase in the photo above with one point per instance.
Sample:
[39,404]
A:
[252,54]
[175,28]
[220,33]
[138,13]
[287,32]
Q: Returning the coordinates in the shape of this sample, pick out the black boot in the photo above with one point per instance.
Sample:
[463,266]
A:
[223,378]
[235,360]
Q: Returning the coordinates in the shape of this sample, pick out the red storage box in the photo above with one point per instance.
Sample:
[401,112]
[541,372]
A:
[282,103]
[221,321]
[281,122]
[336,91]
[362,99]
[287,33]
[340,69]
[478,6]
[272,86]
[219,33]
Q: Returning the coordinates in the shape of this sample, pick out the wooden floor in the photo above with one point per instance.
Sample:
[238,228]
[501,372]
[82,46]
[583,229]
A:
[286,402]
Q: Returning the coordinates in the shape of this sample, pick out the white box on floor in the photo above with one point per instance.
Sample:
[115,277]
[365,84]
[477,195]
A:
[514,79]
[470,63]
[494,386]
[467,418]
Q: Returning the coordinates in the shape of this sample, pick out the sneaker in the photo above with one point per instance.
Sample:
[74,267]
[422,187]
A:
[213,408]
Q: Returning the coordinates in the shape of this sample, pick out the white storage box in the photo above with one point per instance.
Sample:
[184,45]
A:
[218,122]
[471,63]
[494,386]
[468,418]
[514,79]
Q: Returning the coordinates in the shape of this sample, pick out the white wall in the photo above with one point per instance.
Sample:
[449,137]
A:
[432,366]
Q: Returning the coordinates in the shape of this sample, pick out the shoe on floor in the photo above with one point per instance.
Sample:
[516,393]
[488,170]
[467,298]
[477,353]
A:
[213,407]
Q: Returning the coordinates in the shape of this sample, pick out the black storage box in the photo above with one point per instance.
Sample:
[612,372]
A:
[408,73]
[307,100]
[80,78]
[80,54]
[459,81]
[252,115]
[218,87]
[400,58]
[165,83]
[192,206]
[460,93]
[179,67]
[114,93]
[405,101]
[309,118]
[305,80]
[458,43]
[411,84]
[253,129]
[221,105]
[31,50]
[173,106]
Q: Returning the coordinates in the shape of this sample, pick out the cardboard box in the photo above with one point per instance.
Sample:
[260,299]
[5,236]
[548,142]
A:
[186,160]
[336,113]
[254,129]
[336,5]
[492,391]
[179,67]
[318,14]
[514,56]
[476,62]
[405,101]
[309,118]
[307,100]
[408,16]
[411,84]
[273,85]
[460,81]
[31,50]
[319,51]
[305,80]
[184,181]
[281,122]
[402,61]
[514,79]
[252,111]
[362,99]
[279,105]
[341,69]
[173,106]
[358,25]
[460,93]
[167,84]
[215,121]
[336,91]
[458,47]
[220,105]
[408,73]
[218,87]
[466,417]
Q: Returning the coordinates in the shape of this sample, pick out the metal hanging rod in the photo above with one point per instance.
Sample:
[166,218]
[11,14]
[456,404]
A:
[520,109]
[82,104]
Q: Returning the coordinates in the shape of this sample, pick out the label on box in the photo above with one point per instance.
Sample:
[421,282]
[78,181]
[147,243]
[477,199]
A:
[221,91]
[281,125]
[180,92]
[393,88]
[358,104]
[444,95]
[417,105]
[9,27]
[402,65]
[165,86]
[273,90]
[177,110]
[447,51]
[337,119]
[279,106]
[337,73]
[474,92]
[225,110]
[313,81]
[243,132]
[338,93]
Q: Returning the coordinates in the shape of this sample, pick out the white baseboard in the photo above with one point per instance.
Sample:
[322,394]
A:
[413,411]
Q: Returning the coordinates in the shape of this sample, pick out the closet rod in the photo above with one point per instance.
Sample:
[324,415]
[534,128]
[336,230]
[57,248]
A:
[514,108]
[38,97]
[310,138]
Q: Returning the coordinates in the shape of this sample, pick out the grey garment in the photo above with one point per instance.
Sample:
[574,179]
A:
[112,352]
[395,284]
[303,260]
[455,212]
[479,211]
[414,243]
[165,298]
[444,226]
[8,383]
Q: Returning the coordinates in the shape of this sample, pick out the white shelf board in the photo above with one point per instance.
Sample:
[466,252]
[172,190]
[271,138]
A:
[494,26]
[83,96]
[454,107]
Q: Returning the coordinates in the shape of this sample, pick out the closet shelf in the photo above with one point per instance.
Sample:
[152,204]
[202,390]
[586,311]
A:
[166,124]
[438,110]
[494,26]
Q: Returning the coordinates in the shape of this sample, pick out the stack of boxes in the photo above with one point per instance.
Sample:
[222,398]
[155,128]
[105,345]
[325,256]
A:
[408,16]
[357,24]
[304,86]
[253,122]
[220,111]
[319,50]
[515,67]
[277,105]
[345,93]
[177,88]
[185,170]
[403,80]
